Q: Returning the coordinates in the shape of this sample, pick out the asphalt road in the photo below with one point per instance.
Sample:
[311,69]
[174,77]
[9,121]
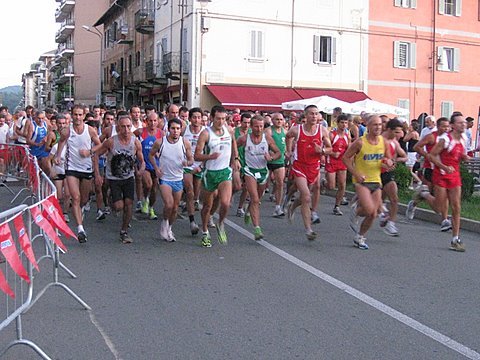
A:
[282,298]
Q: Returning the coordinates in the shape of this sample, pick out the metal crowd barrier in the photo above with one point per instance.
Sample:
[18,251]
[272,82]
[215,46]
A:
[20,227]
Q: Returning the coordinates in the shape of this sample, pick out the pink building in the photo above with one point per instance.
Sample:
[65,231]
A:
[423,55]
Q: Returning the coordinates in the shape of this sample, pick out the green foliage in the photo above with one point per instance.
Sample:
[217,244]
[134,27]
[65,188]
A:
[468,182]
[403,176]
[11,97]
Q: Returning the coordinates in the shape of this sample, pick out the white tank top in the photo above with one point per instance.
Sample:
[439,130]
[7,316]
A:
[255,153]
[221,144]
[171,158]
[76,142]
[60,168]
[193,139]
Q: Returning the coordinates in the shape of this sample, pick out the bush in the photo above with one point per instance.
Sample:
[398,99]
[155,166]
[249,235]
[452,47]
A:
[403,176]
[468,182]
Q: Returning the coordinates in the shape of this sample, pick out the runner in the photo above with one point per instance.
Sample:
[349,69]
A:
[392,132]
[221,157]
[192,175]
[123,152]
[37,131]
[336,170]
[312,141]
[258,148]
[446,155]
[148,136]
[277,167]
[423,148]
[175,153]
[243,129]
[364,160]
[78,139]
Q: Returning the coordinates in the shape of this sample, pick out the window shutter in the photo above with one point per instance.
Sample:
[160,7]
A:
[456,60]
[396,54]
[440,58]
[441,7]
[413,55]
[458,8]
[334,51]
[397,3]
[447,108]
[413,4]
[316,48]
[260,44]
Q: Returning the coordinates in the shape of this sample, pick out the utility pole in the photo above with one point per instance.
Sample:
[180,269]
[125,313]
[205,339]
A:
[182,5]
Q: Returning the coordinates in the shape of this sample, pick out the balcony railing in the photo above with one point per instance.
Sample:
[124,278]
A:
[65,30]
[64,9]
[145,21]
[171,64]
[65,50]
[149,70]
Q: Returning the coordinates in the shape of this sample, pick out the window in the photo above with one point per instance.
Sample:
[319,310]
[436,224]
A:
[412,4]
[137,59]
[450,7]
[404,55]
[324,49]
[446,108]
[448,59]
[257,45]
[404,104]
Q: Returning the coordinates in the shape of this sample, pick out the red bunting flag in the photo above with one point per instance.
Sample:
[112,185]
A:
[46,227]
[24,240]
[9,250]
[5,287]
[55,217]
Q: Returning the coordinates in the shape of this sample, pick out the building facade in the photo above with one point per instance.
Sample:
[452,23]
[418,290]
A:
[79,51]
[422,55]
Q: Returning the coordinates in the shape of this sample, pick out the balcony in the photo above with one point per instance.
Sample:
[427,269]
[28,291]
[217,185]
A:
[123,36]
[65,50]
[145,21]
[65,75]
[64,9]
[171,64]
[65,31]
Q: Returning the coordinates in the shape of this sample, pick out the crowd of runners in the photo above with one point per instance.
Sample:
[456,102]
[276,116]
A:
[198,159]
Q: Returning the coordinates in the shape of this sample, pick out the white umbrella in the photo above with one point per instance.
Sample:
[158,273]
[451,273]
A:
[323,103]
[375,107]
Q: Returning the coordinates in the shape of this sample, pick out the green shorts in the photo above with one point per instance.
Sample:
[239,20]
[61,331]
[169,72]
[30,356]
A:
[197,175]
[212,178]
[261,175]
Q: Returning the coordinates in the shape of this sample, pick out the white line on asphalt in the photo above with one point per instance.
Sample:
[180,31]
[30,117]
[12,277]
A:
[397,315]
[106,338]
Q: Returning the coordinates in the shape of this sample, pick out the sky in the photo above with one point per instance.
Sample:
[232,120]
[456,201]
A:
[28,31]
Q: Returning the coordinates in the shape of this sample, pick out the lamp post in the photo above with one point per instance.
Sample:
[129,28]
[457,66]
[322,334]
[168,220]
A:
[100,36]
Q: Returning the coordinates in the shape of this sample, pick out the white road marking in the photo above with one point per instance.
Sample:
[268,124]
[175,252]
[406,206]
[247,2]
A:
[106,338]
[397,315]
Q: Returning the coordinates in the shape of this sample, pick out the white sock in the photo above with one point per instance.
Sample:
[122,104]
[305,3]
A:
[80,228]
[455,239]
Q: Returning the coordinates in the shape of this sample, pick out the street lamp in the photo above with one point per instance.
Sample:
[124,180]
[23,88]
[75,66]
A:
[100,36]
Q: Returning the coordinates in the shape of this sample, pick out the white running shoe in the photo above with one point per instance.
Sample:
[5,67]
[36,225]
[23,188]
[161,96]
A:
[390,229]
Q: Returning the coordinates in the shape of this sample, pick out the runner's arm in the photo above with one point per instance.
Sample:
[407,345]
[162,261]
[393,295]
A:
[348,158]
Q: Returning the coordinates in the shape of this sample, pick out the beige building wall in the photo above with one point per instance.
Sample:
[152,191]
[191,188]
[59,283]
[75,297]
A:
[86,60]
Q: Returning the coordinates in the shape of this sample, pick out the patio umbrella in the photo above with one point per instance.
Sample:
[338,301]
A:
[324,103]
[376,107]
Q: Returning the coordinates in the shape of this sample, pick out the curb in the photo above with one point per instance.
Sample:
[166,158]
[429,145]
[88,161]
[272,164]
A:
[423,214]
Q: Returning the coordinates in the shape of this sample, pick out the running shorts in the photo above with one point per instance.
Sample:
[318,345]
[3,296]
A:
[309,172]
[213,178]
[260,175]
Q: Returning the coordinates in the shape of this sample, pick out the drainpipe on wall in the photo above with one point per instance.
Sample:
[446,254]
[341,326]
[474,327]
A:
[434,58]
[291,44]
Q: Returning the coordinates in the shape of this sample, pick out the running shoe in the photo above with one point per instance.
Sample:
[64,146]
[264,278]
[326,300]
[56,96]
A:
[196,205]
[457,246]
[240,212]
[152,215]
[272,197]
[100,215]
[359,241]
[87,206]
[194,228]
[247,219]
[267,190]
[311,235]
[171,235]
[278,212]
[125,238]
[354,219]
[145,207]
[258,233]
[82,237]
[446,225]
[107,210]
[337,211]
[211,224]
[315,218]
[138,207]
[344,201]
[164,230]
[420,191]
[206,240]
[410,212]
[383,219]
[66,217]
[390,229]
[222,235]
